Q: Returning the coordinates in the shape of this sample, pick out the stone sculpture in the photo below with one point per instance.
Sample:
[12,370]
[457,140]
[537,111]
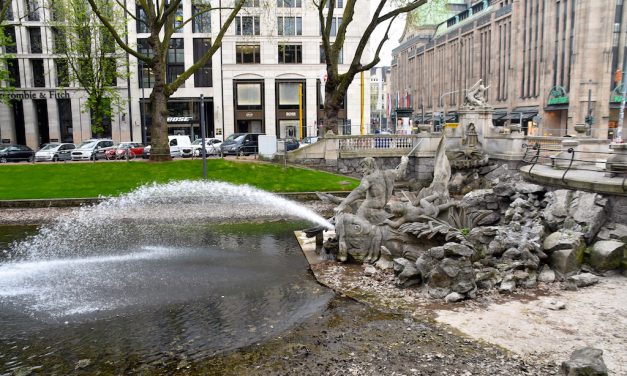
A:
[471,155]
[376,186]
[475,96]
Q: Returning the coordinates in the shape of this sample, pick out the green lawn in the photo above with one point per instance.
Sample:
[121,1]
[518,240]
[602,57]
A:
[78,180]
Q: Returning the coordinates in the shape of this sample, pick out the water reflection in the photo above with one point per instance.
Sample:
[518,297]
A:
[193,292]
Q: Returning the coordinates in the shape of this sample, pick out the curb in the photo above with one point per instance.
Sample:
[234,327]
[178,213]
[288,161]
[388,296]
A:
[73,202]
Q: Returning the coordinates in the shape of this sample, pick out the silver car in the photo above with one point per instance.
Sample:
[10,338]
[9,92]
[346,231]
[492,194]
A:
[55,151]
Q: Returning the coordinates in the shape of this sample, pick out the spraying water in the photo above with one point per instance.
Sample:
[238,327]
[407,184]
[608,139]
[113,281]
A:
[134,218]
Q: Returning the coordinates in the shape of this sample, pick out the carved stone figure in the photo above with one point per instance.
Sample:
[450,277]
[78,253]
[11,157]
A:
[471,155]
[475,96]
[377,187]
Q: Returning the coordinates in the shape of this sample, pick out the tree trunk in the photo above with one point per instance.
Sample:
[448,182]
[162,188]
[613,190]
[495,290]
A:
[332,107]
[160,147]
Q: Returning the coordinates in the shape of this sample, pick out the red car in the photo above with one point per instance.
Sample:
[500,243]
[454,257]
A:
[124,150]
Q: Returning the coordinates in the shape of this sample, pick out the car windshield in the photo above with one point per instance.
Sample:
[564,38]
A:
[3,148]
[234,137]
[87,145]
[50,146]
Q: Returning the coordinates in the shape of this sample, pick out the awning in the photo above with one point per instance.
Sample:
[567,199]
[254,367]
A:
[450,117]
[499,114]
[517,116]
[556,107]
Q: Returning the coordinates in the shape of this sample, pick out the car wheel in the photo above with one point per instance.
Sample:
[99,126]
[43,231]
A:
[31,159]
[3,160]
[240,153]
[55,158]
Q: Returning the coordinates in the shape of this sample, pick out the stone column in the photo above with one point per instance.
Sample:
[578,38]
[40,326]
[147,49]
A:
[7,123]
[30,124]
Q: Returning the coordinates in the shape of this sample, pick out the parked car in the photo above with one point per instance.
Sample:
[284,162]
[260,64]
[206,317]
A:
[308,140]
[124,150]
[55,151]
[176,144]
[16,153]
[291,143]
[241,144]
[212,146]
[92,149]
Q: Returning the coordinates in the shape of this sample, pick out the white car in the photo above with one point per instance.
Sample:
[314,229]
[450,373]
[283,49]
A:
[212,146]
[55,151]
[92,149]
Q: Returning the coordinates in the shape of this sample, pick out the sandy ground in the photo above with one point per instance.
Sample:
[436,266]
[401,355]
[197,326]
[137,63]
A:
[521,323]
[594,316]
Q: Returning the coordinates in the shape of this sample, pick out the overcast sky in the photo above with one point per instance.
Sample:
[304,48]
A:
[395,32]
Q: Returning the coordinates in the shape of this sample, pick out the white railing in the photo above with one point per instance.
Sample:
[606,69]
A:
[379,142]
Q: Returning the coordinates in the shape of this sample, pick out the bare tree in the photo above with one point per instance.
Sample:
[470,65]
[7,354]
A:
[337,83]
[161,19]
[89,56]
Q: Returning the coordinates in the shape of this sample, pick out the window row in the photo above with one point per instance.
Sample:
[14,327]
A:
[63,77]
[287,54]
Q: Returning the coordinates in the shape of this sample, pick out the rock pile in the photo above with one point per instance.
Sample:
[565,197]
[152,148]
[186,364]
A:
[520,234]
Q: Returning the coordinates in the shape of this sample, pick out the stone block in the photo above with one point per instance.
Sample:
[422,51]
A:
[585,362]
[566,261]
[607,255]
[563,240]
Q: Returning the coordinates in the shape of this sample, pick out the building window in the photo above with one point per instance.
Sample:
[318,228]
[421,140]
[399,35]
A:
[65,119]
[176,59]
[338,4]
[14,72]
[202,77]
[142,21]
[247,25]
[290,25]
[32,10]
[290,54]
[289,3]
[248,96]
[9,32]
[251,3]
[248,54]
[201,22]
[59,44]
[9,15]
[178,19]
[34,34]
[39,79]
[146,77]
[335,24]
[110,68]
[289,96]
[63,73]
[323,57]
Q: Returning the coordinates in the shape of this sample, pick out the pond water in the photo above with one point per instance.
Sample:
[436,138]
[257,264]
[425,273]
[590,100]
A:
[162,302]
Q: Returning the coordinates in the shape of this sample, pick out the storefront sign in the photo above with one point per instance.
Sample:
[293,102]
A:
[249,114]
[180,119]
[617,94]
[48,94]
[558,96]
[290,114]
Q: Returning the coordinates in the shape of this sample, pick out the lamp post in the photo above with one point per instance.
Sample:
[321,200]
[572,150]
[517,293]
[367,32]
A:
[442,96]
[143,103]
[202,137]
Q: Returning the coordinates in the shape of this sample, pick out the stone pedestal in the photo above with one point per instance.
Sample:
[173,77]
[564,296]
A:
[617,161]
[563,158]
[481,117]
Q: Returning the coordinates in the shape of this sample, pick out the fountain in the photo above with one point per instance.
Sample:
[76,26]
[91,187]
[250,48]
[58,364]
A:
[164,273]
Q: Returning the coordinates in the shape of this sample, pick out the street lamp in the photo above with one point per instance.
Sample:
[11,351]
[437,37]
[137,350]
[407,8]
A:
[143,103]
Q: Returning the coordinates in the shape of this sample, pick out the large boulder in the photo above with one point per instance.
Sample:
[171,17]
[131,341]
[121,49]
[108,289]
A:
[563,240]
[585,362]
[575,210]
[607,255]
[447,269]
[613,231]
[566,251]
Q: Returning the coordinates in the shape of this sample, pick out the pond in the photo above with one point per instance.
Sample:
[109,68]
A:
[190,292]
